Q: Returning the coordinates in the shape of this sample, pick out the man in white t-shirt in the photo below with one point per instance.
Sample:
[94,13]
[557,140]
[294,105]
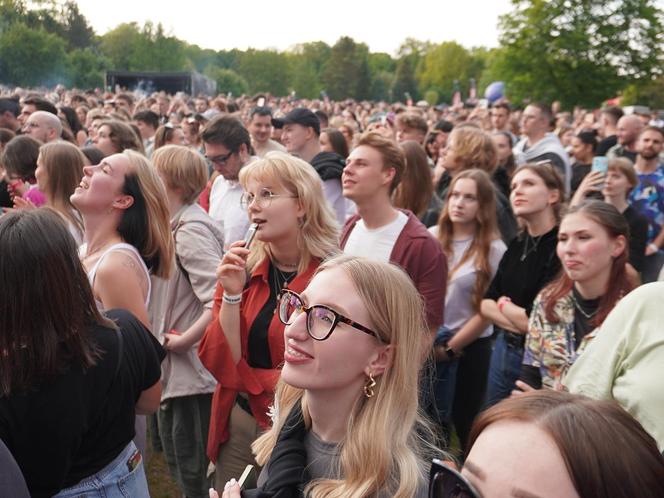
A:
[228,147]
[381,232]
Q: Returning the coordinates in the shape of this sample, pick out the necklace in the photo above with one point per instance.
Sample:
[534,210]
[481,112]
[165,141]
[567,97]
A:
[582,311]
[285,265]
[526,249]
[280,279]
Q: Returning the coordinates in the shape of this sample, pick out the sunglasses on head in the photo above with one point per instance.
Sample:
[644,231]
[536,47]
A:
[445,482]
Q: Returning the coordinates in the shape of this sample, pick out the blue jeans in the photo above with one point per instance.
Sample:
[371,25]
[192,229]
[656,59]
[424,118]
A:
[504,370]
[444,382]
[115,480]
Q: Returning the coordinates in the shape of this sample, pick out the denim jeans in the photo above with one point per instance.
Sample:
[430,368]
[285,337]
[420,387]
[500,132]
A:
[444,381]
[504,370]
[116,480]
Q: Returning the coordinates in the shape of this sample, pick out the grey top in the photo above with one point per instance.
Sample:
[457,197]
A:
[458,305]
[323,463]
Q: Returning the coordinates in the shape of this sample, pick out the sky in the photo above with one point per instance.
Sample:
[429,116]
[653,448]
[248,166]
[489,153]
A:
[280,24]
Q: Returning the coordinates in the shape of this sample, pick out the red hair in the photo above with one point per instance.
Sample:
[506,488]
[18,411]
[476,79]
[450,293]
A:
[619,284]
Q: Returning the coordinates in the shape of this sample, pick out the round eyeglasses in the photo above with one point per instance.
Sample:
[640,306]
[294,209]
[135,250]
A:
[321,319]
[263,199]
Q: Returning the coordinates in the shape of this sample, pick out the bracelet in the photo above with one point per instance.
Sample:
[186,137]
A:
[654,246]
[502,302]
[228,299]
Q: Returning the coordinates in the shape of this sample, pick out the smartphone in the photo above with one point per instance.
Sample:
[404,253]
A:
[248,479]
[261,102]
[601,164]
[249,236]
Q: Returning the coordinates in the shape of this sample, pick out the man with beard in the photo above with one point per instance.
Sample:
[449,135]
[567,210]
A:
[648,197]
[628,131]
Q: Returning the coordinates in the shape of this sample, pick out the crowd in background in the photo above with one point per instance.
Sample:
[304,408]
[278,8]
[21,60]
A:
[420,282]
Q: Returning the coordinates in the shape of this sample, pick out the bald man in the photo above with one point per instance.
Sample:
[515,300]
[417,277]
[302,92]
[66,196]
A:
[628,130]
[43,126]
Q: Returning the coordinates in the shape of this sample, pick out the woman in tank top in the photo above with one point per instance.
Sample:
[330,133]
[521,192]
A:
[127,236]
[127,233]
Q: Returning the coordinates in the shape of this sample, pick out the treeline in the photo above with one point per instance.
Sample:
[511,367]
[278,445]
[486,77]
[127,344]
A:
[580,52]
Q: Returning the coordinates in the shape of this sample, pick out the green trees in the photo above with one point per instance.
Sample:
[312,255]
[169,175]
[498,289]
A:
[347,72]
[577,51]
[580,52]
[31,57]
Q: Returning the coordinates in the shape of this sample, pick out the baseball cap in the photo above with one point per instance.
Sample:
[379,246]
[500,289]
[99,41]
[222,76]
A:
[299,116]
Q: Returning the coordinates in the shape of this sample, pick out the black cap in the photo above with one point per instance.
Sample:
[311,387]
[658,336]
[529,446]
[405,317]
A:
[299,116]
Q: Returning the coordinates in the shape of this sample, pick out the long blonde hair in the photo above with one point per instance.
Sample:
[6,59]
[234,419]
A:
[318,236]
[146,223]
[63,163]
[384,447]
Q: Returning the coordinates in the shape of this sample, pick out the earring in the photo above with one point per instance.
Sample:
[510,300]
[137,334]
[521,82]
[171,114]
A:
[368,387]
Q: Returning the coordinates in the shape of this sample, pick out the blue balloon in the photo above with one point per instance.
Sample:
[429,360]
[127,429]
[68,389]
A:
[495,91]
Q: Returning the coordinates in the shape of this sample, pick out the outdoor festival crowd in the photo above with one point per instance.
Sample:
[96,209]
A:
[357,299]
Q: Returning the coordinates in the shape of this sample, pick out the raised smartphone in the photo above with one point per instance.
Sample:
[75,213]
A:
[601,164]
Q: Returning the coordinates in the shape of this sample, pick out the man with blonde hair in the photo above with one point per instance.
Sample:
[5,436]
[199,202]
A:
[381,232]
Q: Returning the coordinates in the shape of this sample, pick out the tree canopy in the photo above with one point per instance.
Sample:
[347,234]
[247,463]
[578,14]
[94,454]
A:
[580,52]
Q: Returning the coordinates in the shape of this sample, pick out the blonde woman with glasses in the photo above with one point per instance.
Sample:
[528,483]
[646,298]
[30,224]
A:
[243,346]
[346,418]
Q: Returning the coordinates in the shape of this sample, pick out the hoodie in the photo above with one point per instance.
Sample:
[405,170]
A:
[544,149]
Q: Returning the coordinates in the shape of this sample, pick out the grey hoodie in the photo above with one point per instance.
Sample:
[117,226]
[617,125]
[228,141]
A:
[550,144]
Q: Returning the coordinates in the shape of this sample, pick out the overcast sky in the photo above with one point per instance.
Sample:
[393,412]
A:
[280,24]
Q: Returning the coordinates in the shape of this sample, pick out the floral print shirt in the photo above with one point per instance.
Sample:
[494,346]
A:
[552,347]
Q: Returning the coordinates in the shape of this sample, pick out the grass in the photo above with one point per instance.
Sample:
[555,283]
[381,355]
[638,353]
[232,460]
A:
[160,483]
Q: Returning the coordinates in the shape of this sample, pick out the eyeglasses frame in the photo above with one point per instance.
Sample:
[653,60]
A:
[245,204]
[338,317]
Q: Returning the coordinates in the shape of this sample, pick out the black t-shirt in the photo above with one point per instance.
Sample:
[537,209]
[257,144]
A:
[72,426]
[258,352]
[582,323]
[638,236]
[579,172]
[604,145]
[521,278]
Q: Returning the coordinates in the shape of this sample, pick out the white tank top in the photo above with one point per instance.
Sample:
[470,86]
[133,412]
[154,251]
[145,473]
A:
[120,246]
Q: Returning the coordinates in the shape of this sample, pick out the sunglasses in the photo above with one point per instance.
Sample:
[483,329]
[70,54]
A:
[445,482]
[220,160]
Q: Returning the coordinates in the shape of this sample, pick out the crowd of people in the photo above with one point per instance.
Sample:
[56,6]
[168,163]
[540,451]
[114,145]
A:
[340,299]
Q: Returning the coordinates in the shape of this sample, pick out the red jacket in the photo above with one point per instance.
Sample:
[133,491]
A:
[421,256]
[215,354]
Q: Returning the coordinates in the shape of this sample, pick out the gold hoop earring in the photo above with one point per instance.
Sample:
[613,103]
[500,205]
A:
[368,387]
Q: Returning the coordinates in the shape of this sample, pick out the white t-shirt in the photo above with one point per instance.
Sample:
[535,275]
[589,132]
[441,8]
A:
[377,243]
[225,208]
[460,288]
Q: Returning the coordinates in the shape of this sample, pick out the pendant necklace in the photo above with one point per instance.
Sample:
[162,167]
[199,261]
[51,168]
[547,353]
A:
[526,249]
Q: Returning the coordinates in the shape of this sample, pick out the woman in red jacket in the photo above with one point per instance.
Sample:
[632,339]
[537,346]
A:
[243,346]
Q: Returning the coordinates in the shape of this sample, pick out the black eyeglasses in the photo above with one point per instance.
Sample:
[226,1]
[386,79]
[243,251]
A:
[321,319]
[220,160]
[445,482]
